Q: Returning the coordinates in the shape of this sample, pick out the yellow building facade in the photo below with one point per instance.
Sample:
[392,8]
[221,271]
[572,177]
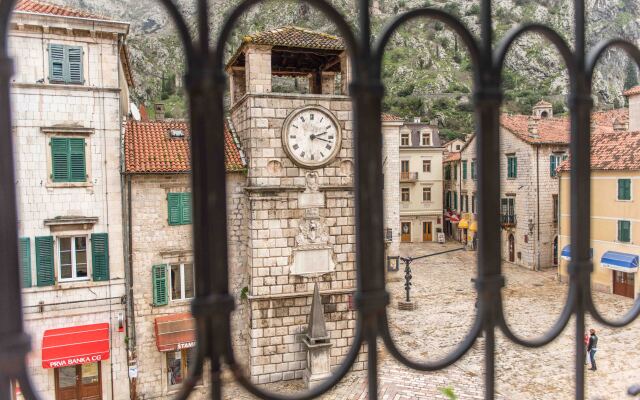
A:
[615,215]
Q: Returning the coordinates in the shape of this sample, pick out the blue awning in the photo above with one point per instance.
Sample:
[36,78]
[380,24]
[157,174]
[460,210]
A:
[566,253]
[624,262]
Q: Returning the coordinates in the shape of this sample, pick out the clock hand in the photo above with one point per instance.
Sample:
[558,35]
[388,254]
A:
[324,140]
[320,134]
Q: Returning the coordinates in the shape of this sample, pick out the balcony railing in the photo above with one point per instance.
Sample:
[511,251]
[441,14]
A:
[408,176]
[508,219]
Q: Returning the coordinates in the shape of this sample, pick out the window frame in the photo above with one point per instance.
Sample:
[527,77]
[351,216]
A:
[425,135]
[405,137]
[74,266]
[182,281]
[426,166]
[71,133]
[426,192]
[184,368]
[405,191]
[619,180]
[66,65]
[464,169]
[512,166]
[618,238]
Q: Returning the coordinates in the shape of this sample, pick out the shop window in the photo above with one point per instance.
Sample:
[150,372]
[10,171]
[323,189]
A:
[178,363]
[72,258]
[181,281]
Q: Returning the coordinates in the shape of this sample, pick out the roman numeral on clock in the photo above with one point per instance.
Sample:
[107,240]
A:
[295,147]
[328,147]
[311,117]
[302,154]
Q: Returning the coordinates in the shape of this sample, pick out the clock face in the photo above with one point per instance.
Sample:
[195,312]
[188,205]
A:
[311,137]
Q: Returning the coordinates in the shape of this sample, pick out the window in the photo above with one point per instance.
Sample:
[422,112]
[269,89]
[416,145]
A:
[554,162]
[426,194]
[178,363]
[512,167]
[447,200]
[405,196]
[425,138]
[473,203]
[624,231]
[466,203]
[68,159]
[464,169]
[404,166]
[65,64]
[555,207]
[457,147]
[179,208]
[455,200]
[404,139]
[72,258]
[447,172]
[507,210]
[426,165]
[182,281]
[474,175]
[455,171]
[624,189]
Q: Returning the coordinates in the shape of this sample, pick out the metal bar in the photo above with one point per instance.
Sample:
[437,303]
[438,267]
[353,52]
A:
[431,255]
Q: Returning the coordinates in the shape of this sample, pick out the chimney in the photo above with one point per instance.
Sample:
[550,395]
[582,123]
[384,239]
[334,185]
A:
[633,96]
[159,109]
[621,124]
[533,126]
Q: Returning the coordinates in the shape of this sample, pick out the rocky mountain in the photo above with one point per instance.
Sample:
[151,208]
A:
[426,70]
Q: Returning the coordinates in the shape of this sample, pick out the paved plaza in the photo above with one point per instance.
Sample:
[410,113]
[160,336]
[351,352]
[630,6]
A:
[445,298]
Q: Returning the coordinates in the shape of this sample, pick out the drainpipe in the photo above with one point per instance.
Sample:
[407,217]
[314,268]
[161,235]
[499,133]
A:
[538,203]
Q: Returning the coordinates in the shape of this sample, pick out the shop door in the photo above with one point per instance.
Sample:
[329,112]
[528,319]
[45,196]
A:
[406,232]
[512,248]
[427,235]
[79,382]
[623,284]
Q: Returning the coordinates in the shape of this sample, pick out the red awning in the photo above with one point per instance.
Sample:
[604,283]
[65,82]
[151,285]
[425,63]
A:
[175,332]
[76,345]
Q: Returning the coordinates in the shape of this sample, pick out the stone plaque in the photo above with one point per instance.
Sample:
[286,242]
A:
[314,261]
[311,200]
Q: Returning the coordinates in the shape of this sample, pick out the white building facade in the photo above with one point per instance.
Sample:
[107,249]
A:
[70,93]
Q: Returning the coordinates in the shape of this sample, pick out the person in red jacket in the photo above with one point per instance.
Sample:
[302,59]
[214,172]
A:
[586,343]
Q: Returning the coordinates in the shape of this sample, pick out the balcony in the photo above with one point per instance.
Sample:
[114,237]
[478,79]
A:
[508,220]
[408,176]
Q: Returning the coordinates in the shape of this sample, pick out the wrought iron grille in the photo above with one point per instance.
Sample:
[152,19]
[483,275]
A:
[205,83]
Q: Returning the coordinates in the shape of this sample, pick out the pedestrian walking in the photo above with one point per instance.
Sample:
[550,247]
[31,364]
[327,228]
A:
[592,347]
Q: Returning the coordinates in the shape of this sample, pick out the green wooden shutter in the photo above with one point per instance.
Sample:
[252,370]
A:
[56,63]
[44,261]
[624,231]
[173,203]
[185,204]
[74,65]
[473,170]
[552,164]
[159,276]
[100,256]
[624,189]
[455,200]
[60,159]
[464,170]
[25,261]
[77,163]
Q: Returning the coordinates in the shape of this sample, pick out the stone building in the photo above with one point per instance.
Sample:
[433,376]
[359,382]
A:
[70,93]
[614,212]
[531,149]
[420,182]
[300,199]
[160,257]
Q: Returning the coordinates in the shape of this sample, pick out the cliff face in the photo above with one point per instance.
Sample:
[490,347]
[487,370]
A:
[426,68]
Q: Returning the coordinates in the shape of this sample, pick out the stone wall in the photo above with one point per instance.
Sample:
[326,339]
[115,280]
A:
[156,242]
[391,171]
[280,300]
[91,111]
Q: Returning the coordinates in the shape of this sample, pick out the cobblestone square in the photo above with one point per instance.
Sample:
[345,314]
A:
[445,298]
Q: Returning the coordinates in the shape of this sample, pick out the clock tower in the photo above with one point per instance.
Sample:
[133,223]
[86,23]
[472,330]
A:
[289,108]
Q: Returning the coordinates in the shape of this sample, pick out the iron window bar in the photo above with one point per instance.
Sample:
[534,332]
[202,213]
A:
[205,83]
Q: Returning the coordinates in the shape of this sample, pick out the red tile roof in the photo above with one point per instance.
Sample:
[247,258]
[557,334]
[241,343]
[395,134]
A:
[391,117]
[293,36]
[632,91]
[455,156]
[39,7]
[149,148]
[557,130]
[615,151]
